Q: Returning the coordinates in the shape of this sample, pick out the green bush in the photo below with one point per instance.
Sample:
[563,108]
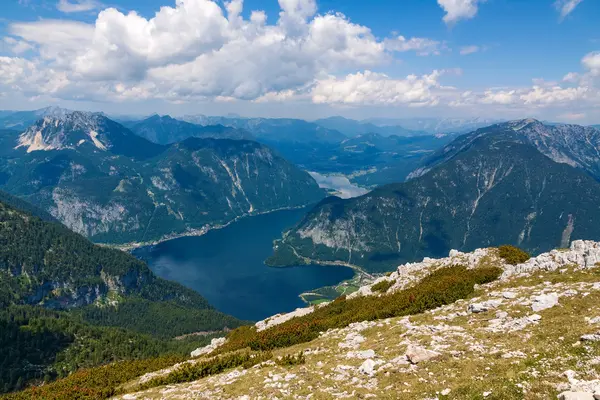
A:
[513,255]
[192,372]
[291,359]
[95,383]
[382,286]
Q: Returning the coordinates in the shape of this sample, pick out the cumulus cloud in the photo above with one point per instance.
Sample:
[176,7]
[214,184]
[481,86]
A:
[459,9]
[209,50]
[555,94]
[199,49]
[591,62]
[373,88]
[498,97]
[565,7]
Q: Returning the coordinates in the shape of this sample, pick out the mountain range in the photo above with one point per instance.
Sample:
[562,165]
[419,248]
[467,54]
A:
[273,130]
[168,130]
[103,181]
[492,187]
[369,154]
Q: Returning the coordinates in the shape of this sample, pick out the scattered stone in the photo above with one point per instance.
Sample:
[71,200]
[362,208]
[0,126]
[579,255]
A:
[367,367]
[445,392]
[485,306]
[544,301]
[509,295]
[361,354]
[595,337]
[352,341]
[486,394]
[576,396]
[417,354]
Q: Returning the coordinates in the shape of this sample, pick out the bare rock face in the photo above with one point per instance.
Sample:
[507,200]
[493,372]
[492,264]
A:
[214,344]
[582,253]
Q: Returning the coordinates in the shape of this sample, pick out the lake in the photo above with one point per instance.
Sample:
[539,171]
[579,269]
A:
[226,266]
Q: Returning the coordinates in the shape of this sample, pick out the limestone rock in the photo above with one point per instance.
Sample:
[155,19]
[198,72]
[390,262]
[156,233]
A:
[595,337]
[576,396]
[417,354]
[214,344]
[544,301]
[485,306]
[367,367]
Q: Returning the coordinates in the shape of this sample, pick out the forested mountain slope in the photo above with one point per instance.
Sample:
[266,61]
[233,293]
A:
[495,190]
[66,303]
[105,182]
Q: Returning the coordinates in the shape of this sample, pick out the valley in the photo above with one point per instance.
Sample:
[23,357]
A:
[227,267]
[299,200]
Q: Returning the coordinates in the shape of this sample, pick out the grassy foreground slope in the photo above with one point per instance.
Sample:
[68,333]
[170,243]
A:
[533,334]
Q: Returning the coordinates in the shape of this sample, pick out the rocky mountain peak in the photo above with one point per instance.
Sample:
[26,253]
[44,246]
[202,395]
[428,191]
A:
[64,130]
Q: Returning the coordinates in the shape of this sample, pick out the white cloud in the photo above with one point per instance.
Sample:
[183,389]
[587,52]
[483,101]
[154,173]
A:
[17,46]
[204,50]
[571,77]
[556,94]
[469,50]
[565,7]
[459,9]
[422,46]
[371,88]
[74,6]
[499,97]
[58,41]
[199,50]
[591,62]
[273,97]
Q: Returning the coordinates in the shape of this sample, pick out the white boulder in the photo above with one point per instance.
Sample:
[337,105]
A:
[417,354]
[544,301]
[214,344]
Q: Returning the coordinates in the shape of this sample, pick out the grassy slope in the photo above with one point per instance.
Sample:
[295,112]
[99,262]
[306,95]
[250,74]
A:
[527,364]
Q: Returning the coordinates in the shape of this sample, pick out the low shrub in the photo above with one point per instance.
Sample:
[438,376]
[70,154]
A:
[444,286]
[382,286]
[291,359]
[94,383]
[513,255]
[192,372]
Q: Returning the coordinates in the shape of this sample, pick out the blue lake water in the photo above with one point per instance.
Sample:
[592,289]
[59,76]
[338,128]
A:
[227,267]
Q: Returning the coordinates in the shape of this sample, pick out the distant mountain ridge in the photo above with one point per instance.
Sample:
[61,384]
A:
[435,125]
[496,189]
[274,130]
[168,130]
[103,181]
[355,128]
[575,145]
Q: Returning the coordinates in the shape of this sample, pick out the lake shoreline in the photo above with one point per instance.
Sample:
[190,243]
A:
[227,266]
[128,247]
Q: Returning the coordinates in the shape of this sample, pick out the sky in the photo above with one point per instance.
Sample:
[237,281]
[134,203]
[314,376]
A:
[499,59]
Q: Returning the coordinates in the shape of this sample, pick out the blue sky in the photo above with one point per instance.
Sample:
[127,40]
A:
[305,58]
